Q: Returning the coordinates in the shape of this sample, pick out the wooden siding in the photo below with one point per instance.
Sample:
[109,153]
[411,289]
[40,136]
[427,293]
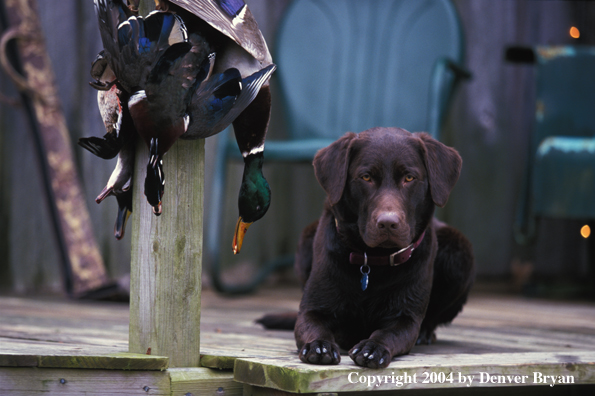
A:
[489,124]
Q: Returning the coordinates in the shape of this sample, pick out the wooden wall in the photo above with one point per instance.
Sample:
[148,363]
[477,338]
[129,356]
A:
[491,120]
[489,124]
[32,262]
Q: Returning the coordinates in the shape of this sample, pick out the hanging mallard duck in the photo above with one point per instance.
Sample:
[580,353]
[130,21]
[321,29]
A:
[187,70]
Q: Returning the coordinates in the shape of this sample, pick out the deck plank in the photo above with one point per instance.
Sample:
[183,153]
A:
[488,324]
[494,332]
[35,381]
[117,361]
[287,374]
[204,382]
[27,353]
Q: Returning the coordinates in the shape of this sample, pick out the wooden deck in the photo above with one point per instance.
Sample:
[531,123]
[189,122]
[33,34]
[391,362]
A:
[52,346]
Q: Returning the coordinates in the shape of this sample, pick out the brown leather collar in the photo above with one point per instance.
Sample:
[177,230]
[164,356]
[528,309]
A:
[392,260]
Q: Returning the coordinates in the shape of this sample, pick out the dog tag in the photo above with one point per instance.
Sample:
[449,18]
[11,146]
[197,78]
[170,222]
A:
[365,270]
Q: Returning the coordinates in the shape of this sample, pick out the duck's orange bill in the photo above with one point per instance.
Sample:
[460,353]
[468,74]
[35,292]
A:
[238,237]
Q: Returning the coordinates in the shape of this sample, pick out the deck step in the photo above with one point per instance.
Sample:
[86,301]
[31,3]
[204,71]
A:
[419,371]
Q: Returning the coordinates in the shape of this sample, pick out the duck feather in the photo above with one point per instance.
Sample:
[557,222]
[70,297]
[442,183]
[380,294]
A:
[234,19]
[219,100]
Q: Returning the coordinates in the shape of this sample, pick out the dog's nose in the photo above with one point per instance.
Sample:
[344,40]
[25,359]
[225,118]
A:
[387,220]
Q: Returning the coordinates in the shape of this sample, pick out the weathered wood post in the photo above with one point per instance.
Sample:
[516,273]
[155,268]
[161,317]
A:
[84,270]
[165,275]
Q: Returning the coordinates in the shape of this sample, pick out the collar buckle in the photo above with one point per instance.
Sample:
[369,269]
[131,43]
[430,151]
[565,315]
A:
[391,257]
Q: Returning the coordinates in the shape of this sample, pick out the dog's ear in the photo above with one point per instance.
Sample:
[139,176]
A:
[331,164]
[443,165]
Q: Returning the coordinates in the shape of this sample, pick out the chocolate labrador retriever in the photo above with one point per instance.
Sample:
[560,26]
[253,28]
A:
[379,272]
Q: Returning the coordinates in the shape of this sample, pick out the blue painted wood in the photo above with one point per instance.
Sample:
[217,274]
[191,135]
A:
[351,65]
[565,83]
[564,178]
[560,180]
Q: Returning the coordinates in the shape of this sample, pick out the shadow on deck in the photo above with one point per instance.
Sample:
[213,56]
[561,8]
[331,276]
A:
[499,343]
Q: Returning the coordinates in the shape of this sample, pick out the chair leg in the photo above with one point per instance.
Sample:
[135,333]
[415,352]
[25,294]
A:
[524,227]
[213,235]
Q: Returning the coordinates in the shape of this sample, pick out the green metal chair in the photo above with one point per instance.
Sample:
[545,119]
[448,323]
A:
[349,65]
[560,174]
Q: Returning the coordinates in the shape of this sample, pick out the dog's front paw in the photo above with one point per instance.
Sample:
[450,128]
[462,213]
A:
[320,352]
[368,353]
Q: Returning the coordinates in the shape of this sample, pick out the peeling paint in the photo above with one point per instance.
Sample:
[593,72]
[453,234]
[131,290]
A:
[547,53]
[566,145]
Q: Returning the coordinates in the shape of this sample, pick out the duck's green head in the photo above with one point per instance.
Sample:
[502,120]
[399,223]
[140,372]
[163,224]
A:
[254,198]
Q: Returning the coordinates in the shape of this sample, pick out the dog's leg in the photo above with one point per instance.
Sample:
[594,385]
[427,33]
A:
[454,272]
[316,343]
[379,349]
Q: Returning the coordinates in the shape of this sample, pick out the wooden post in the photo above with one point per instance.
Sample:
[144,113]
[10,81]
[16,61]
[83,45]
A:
[165,274]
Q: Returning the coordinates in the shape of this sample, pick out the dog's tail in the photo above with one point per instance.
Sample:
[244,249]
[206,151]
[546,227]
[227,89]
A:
[279,321]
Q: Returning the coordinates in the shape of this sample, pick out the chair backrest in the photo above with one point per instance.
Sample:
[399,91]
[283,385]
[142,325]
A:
[564,134]
[349,65]
[558,180]
[565,92]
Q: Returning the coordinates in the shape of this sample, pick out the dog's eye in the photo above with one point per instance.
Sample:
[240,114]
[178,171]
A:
[366,177]
[409,178]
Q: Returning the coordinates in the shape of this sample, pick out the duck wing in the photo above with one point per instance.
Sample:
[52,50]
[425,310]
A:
[250,87]
[214,99]
[160,109]
[219,100]
[104,148]
[180,70]
[139,44]
[110,14]
[232,18]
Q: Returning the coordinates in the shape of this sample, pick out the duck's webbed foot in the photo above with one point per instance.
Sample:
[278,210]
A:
[155,179]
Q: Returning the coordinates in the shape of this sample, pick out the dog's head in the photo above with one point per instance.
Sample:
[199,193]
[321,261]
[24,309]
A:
[386,181]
